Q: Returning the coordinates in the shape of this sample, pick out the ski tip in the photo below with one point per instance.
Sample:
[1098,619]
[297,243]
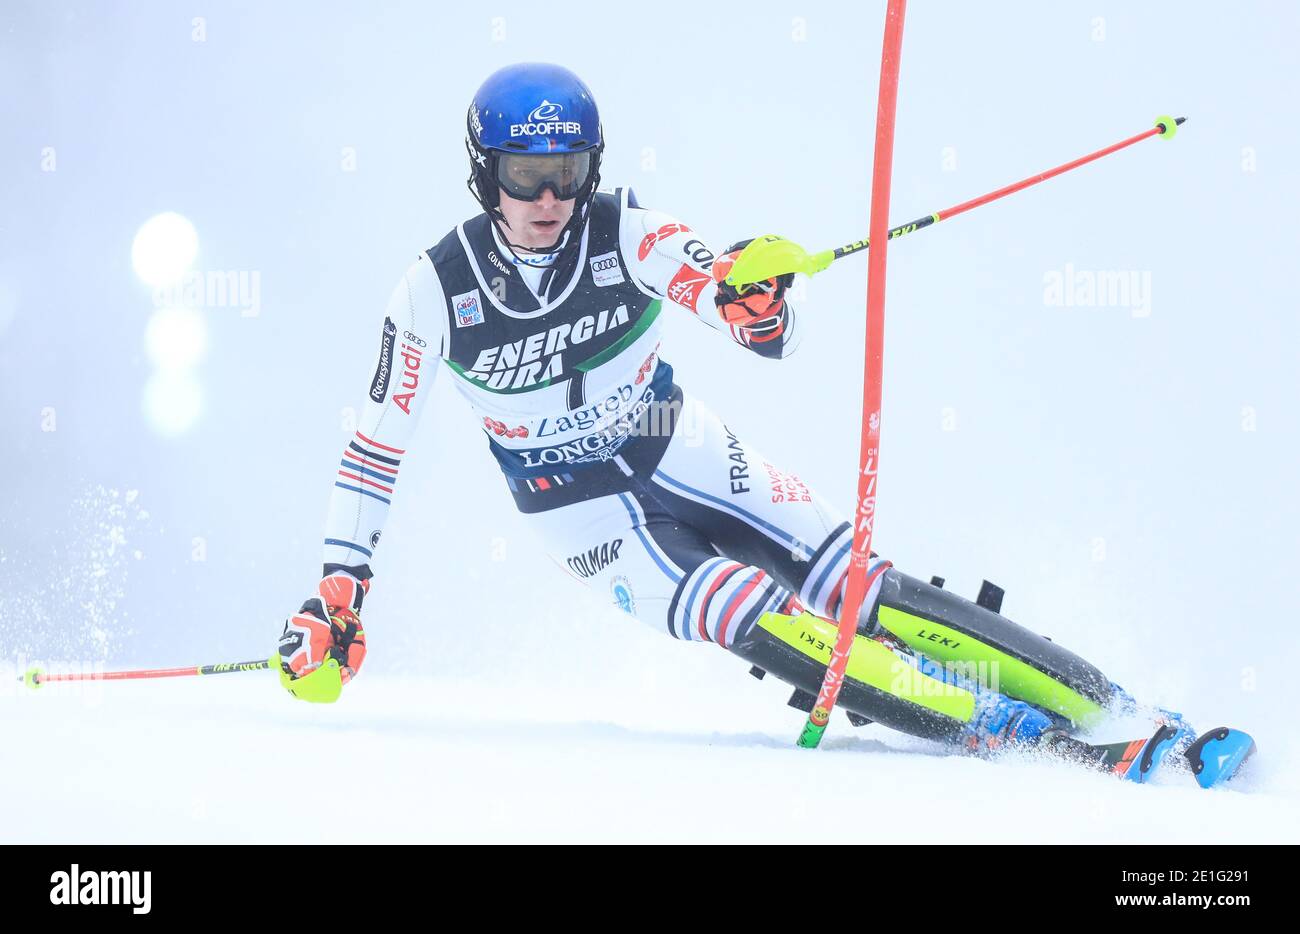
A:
[1152,753]
[1220,755]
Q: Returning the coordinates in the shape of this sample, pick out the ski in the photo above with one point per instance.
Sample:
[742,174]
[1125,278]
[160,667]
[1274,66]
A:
[1218,756]
[1134,760]
[1213,758]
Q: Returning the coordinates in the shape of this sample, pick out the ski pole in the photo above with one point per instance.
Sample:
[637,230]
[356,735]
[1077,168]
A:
[769,256]
[34,677]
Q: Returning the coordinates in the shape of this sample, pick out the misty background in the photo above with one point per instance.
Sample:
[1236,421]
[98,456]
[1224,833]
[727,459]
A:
[1125,470]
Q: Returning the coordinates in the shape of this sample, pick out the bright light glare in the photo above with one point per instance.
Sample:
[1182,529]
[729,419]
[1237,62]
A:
[164,248]
[176,338]
[172,402]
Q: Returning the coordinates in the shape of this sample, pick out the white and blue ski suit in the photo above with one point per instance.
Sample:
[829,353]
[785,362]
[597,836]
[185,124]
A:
[637,489]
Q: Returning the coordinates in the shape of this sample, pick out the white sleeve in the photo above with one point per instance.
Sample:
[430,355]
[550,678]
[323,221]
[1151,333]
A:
[410,345]
[670,261]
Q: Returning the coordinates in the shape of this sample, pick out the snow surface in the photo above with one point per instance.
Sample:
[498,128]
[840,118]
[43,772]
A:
[213,760]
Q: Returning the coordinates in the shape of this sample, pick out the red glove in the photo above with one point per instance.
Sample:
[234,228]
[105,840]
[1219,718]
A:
[746,305]
[327,626]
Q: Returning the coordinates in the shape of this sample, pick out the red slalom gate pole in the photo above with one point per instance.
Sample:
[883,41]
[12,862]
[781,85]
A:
[858,580]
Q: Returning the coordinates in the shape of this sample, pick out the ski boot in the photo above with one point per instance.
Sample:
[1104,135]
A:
[1125,704]
[1213,758]
[1000,722]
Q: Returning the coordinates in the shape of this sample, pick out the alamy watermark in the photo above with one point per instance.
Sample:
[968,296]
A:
[1100,288]
[214,288]
[926,677]
[79,886]
[80,678]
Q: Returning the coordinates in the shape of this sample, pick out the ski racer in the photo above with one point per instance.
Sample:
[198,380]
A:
[545,311]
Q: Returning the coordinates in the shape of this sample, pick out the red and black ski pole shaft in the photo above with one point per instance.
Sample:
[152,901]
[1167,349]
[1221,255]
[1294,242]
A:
[1162,128]
[34,677]
[770,256]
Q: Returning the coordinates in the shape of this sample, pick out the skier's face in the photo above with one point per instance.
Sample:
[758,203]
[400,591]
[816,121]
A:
[536,223]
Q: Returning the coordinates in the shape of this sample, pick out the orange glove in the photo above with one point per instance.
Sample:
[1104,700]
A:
[747,304]
[327,626]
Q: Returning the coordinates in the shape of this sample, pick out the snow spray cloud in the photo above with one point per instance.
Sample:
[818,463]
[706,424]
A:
[65,599]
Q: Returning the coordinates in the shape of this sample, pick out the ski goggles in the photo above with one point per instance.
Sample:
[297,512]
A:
[525,175]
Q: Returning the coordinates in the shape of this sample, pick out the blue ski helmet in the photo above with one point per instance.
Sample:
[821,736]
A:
[534,109]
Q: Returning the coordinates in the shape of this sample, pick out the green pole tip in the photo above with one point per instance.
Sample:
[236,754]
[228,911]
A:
[1168,126]
[811,736]
[32,676]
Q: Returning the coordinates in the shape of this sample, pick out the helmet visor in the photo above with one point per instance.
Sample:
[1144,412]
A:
[524,175]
